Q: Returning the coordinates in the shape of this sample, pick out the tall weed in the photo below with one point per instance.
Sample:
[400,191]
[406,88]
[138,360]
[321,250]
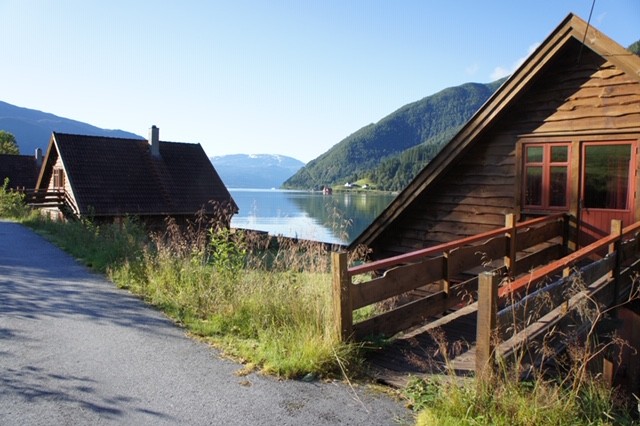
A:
[265,302]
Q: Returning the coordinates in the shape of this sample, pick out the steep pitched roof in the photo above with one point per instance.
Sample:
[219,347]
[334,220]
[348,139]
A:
[572,28]
[114,176]
[22,170]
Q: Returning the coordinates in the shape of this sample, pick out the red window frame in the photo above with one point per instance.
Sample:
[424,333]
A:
[545,185]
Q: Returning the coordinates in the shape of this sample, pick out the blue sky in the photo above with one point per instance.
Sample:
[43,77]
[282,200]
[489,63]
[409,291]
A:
[277,77]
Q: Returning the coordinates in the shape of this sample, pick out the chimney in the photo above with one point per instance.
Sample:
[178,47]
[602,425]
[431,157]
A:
[38,157]
[154,141]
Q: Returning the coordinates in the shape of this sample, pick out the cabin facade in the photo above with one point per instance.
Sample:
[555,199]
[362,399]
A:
[560,135]
[108,179]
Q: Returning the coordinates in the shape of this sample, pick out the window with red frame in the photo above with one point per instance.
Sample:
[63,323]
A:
[546,176]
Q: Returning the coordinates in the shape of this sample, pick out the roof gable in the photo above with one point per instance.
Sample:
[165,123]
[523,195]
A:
[572,29]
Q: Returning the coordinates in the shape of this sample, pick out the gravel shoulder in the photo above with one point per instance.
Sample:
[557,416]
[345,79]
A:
[74,349]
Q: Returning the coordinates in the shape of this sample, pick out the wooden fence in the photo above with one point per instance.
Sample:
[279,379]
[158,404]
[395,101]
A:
[512,315]
[451,268]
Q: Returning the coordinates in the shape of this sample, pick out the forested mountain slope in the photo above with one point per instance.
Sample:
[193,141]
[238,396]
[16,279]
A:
[379,150]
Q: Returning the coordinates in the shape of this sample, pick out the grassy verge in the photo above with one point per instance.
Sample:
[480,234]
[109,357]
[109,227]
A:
[508,401]
[269,307]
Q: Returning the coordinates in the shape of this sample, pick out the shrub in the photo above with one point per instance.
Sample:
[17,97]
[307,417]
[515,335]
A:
[12,203]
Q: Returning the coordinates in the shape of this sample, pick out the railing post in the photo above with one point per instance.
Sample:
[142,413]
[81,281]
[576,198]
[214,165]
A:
[566,222]
[510,258]
[446,273]
[486,323]
[342,307]
[614,248]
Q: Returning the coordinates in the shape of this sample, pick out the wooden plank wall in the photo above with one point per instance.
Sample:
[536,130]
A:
[473,198]
[581,92]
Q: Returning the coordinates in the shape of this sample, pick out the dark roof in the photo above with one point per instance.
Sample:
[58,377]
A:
[571,30]
[114,176]
[22,170]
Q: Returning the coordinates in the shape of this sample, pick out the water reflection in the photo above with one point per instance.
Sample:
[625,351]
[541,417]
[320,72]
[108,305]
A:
[337,218]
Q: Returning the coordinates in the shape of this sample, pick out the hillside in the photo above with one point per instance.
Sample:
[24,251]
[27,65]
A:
[431,121]
[32,128]
[262,171]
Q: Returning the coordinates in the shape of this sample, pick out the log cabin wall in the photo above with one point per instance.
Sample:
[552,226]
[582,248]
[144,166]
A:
[578,95]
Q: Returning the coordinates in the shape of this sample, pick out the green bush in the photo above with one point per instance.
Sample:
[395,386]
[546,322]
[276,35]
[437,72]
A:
[12,203]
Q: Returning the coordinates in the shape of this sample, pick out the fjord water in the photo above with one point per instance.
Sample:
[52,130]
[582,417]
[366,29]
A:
[337,218]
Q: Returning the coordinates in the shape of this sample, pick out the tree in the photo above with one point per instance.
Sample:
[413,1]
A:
[8,144]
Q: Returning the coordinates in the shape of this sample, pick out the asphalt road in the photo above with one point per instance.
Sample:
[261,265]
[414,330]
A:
[76,350]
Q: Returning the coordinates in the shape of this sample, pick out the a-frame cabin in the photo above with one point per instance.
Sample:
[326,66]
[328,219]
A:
[560,135]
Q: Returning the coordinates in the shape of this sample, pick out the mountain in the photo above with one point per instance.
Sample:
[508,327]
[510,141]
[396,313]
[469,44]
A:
[388,154]
[431,121]
[32,128]
[262,171]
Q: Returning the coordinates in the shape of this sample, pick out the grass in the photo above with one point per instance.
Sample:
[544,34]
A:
[513,402]
[267,305]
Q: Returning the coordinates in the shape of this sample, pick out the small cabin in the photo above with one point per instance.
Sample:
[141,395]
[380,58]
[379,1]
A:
[560,135]
[108,179]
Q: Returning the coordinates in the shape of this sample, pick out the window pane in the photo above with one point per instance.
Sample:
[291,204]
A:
[606,177]
[534,154]
[559,154]
[533,190]
[558,189]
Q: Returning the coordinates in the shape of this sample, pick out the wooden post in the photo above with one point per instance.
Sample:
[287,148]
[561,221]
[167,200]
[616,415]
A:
[446,282]
[510,258]
[342,307]
[486,323]
[566,228]
[614,248]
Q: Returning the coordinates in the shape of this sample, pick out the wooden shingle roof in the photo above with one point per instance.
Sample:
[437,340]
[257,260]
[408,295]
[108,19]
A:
[115,176]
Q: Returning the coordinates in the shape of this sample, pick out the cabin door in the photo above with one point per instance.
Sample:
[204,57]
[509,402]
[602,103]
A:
[607,187]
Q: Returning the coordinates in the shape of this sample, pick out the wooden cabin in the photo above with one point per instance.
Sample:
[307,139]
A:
[560,135]
[108,179]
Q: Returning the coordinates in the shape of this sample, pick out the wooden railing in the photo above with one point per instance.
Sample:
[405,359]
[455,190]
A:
[511,315]
[451,267]
[56,198]
[48,198]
